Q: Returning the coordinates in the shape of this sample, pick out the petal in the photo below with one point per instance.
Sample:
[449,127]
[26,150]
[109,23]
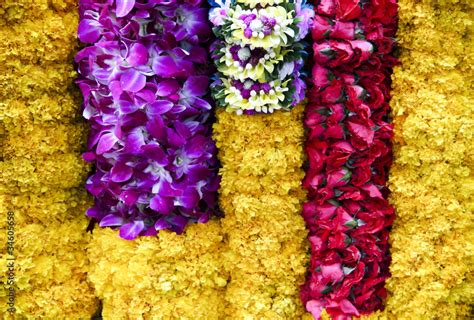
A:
[127,107]
[333,272]
[106,142]
[166,67]
[162,205]
[138,55]
[159,107]
[174,139]
[165,189]
[372,190]
[132,80]
[156,128]
[162,224]
[196,86]
[124,7]
[155,152]
[93,212]
[348,307]
[120,172]
[134,141]
[129,197]
[88,31]
[315,308]
[167,88]
[111,220]
[190,198]
[88,156]
[200,104]
[178,223]
[196,146]
[131,230]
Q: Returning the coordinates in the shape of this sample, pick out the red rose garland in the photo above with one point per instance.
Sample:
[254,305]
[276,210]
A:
[349,152]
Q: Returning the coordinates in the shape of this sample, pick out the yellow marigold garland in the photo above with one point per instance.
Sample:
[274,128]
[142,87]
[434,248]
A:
[41,169]
[432,176]
[165,277]
[261,196]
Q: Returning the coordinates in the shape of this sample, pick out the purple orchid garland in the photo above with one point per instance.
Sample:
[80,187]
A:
[144,79]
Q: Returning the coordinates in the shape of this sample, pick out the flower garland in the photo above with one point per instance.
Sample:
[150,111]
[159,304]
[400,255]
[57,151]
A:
[259,54]
[265,250]
[41,169]
[431,179]
[349,153]
[165,277]
[144,82]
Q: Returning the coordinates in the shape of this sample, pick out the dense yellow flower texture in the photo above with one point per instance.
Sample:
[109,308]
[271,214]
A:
[261,195]
[41,171]
[165,277]
[432,179]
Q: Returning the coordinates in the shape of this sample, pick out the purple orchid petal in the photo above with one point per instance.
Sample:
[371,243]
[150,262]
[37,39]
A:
[200,104]
[196,86]
[178,223]
[167,88]
[166,66]
[159,107]
[111,220]
[88,31]
[156,128]
[127,107]
[155,152]
[106,142]
[150,232]
[134,141]
[196,146]
[88,156]
[131,230]
[124,7]
[93,212]
[129,197]
[162,224]
[165,189]
[146,95]
[189,199]
[138,55]
[120,172]
[162,205]
[115,89]
[174,139]
[198,55]
[132,80]
[204,218]
[182,130]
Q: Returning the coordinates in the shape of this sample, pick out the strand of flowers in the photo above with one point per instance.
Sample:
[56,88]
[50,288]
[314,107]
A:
[42,200]
[349,152]
[144,80]
[165,277]
[259,54]
[265,251]
[431,179]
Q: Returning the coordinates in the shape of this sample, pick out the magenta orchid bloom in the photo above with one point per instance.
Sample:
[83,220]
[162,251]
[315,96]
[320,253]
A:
[145,86]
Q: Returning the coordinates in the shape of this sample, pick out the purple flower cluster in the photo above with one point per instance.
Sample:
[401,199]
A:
[254,26]
[244,55]
[144,79]
[250,88]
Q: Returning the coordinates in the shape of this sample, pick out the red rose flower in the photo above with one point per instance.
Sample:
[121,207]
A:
[348,9]
[349,154]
